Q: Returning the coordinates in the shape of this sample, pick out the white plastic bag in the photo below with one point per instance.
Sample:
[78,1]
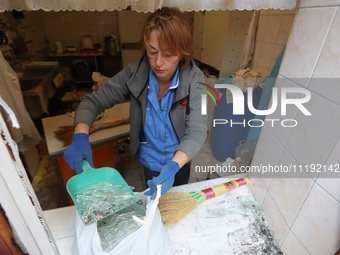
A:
[151,239]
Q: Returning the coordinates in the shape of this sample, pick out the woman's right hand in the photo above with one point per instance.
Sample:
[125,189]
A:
[79,149]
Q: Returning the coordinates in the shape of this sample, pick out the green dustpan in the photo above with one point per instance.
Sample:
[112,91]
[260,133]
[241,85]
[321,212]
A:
[91,176]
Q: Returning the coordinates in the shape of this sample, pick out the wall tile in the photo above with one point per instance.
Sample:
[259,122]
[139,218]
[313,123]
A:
[90,17]
[327,87]
[291,12]
[289,193]
[261,27]
[326,77]
[73,17]
[317,224]
[282,12]
[267,152]
[278,130]
[55,30]
[27,17]
[100,18]
[266,12]
[79,17]
[275,219]
[287,12]
[256,56]
[76,41]
[316,3]
[315,230]
[267,180]
[285,28]
[313,138]
[66,17]
[101,31]
[64,40]
[266,55]
[332,183]
[109,17]
[82,30]
[109,29]
[73,29]
[292,246]
[258,189]
[52,18]
[262,71]
[35,17]
[67,29]
[91,29]
[305,43]
[272,28]
[276,53]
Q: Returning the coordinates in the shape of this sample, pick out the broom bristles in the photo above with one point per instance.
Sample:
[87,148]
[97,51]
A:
[175,205]
[64,133]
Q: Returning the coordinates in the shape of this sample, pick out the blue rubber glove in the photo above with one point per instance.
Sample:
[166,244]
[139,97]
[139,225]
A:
[167,178]
[79,149]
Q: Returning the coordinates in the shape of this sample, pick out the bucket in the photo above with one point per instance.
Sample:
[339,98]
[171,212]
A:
[111,45]
[225,138]
[91,176]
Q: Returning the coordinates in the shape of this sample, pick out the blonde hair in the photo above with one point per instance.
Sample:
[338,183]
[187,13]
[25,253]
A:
[172,30]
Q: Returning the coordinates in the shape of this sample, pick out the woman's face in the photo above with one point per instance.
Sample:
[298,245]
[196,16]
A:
[164,65]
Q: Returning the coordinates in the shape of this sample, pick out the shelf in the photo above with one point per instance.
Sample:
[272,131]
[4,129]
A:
[91,53]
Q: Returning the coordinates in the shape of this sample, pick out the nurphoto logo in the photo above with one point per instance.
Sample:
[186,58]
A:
[238,105]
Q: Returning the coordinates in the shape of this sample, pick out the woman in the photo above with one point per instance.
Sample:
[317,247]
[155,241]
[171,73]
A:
[166,125]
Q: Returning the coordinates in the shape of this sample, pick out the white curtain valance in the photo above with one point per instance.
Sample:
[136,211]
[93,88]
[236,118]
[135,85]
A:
[144,5]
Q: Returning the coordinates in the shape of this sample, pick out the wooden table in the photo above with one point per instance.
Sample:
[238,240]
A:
[56,147]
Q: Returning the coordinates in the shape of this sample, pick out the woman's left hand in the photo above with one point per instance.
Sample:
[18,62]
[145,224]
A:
[166,178]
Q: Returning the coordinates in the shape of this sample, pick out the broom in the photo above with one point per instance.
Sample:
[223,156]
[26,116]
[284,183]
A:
[175,205]
[65,133]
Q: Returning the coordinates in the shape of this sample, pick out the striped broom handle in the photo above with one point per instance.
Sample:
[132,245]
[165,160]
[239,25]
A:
[218,190]
[109,123]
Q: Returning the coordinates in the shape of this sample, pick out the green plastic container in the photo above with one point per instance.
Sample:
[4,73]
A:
[91,176]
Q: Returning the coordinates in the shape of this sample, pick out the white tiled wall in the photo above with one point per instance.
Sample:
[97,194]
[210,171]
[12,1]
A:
[69,27]
[273,30]
[304,212]
[42,29]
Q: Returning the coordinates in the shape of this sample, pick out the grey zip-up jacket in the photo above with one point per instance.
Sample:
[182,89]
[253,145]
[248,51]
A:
[131,84]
